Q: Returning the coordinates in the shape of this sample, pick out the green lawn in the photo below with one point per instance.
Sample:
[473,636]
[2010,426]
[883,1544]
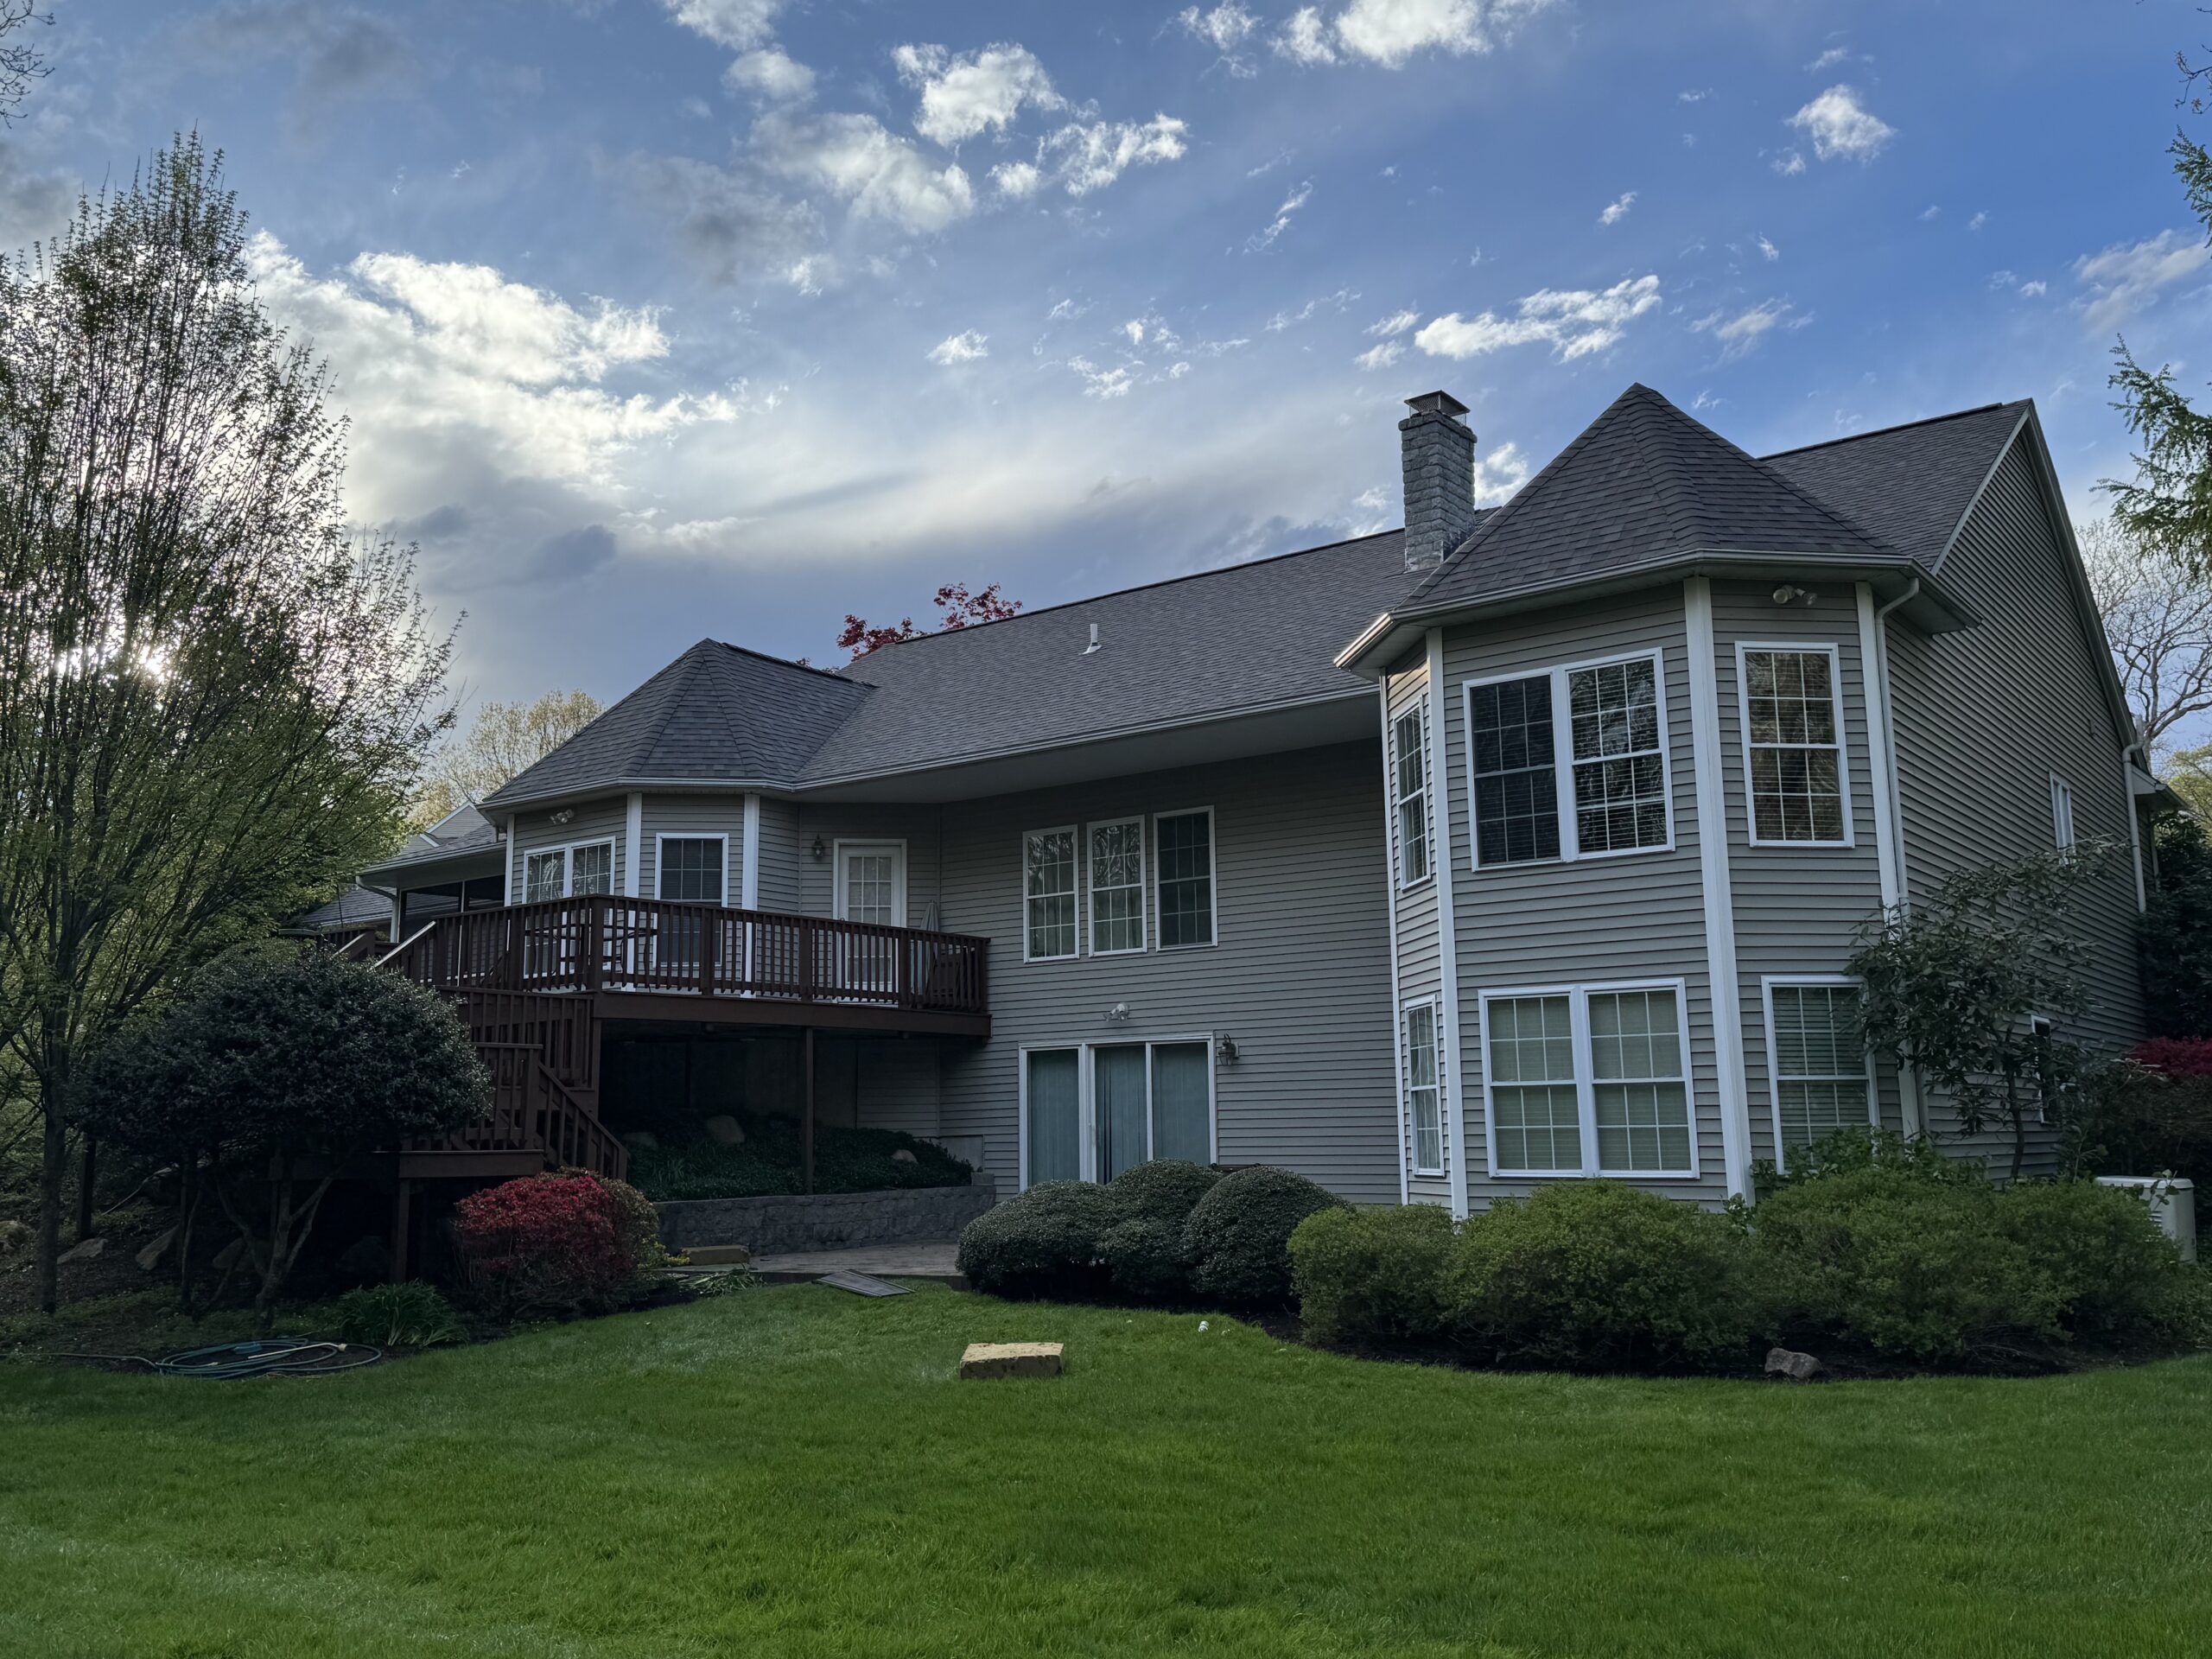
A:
[797,1472]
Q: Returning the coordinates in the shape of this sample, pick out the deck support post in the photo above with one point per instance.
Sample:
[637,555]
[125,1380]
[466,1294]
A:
[401,1227]
[806,1123]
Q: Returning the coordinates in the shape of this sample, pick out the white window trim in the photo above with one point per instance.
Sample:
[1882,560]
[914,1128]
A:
[2064,835]
[1074,833]
[1419,715]
[1769,984]
[866,844]
[1087,1101]
[1087,881]
[1585,1095]
[567,850]
[1213,879]
[2045,1025]
[660,862]
[1434,1005]
[1809,648]
[1570,837]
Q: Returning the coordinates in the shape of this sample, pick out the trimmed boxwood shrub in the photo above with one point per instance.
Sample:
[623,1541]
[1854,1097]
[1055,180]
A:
[1371,1275]
[1167,1189]
[1145,1260]
[1045,1241]
[2119,1281]
[1238,1236]
[1594,1275]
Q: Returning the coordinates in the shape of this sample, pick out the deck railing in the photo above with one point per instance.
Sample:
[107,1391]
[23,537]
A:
[606,943]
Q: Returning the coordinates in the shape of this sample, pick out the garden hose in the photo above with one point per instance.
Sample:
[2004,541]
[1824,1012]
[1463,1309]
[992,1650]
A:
[267,1356]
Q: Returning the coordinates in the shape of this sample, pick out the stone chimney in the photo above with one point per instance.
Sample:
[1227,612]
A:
[1440,459]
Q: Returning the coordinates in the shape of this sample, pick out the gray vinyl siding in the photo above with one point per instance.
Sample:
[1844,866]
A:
[1299,977]
[1420,972]
[781,854]
[1798,910]
[1637,916]
[916,826]
[691,815]
[1985,716]
[603,820]
[898,1085]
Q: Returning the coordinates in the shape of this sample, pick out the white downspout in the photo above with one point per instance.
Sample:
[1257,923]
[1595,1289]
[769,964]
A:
[1889,803]
[1724,983]
[1455,1137]
[1390,899]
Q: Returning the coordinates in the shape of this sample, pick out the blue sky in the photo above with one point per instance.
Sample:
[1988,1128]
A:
[664,319]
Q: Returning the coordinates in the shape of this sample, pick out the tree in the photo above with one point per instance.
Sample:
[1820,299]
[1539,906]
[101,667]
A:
[214,701]
[21,62]
[293,1064]
[1974,988]
[504,739]
[2177,932]
[2158,620]
[961,608]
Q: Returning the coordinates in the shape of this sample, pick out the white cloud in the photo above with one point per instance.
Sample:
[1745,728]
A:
[1617,209]
[771,74]
[1226,28]
[1304,38]
[1696,96]
[1931,213]
[2126,278]
[1105,383]
[1393,325]
[1840,126]
[857,160]
[739,25]
[1978,220]
[446,368]
[1390,32]
[1573,322]
[1337,301]
[1768,248]
[1265,239]
[964,96]
[1381,356]
[2034,290]
[1498,474]
[960,348]
[1742,333]
[1019,180]
[1789,163]
[1828,60]
[1085,156]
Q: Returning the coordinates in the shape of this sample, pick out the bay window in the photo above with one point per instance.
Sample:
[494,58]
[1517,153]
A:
[1570,763]
[1791,704]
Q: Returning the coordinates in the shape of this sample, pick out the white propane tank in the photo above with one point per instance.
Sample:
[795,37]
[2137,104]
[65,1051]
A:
[2173,1206]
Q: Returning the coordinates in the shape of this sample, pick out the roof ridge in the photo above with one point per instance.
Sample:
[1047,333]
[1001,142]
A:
[650,740]
[1136,588]
[1898,426]
[788,662]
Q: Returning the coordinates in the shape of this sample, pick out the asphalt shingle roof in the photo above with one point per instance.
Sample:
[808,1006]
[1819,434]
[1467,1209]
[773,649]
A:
[1642,483]
[717,713]
[1910,484]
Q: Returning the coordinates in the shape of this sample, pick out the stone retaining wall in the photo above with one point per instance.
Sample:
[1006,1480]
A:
[826,1221]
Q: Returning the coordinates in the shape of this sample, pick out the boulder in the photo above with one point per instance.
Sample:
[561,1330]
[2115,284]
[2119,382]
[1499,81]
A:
[1789,1363]
[14,1235]
[989,1359]
[85,1250]
[905,1155]
[724,1131]
[150,1257]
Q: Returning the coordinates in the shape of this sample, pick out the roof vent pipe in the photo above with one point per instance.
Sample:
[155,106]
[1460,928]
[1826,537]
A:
[1093,646]
[1439,452]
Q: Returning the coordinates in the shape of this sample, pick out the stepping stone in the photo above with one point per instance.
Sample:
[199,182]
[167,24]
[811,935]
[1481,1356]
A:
[860,1284]
[986,1359]
[718,1255]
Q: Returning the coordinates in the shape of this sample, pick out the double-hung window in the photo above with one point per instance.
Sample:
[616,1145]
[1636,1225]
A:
[1185,878]
[1588,1080]
[568,872]
[1819,1074]
[1421,1060]
[1048,924]
[1118,886]
[1571,763]
[1410,785]
[1792,710]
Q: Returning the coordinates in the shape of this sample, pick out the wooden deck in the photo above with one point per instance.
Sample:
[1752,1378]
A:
[658,959]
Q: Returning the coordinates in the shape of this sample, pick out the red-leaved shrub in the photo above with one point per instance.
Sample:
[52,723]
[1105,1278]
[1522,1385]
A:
[2177,1057]
[544,1243]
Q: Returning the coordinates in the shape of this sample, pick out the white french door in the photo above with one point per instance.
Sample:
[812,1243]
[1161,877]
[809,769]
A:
[871,887]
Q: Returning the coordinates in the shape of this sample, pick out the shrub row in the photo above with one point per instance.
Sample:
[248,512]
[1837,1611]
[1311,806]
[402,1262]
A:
[1893,1258]
[1159,1232]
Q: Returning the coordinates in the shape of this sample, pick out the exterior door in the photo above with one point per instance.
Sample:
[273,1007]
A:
[871,887]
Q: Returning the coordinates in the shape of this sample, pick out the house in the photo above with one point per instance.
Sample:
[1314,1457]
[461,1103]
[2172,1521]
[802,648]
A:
[1518,845]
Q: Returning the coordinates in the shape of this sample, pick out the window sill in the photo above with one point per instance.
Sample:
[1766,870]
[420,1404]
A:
[1805,846]
[1596,1175]
[1607,857]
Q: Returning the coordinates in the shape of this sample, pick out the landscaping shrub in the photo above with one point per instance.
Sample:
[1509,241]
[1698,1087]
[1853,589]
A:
[412,1315]
[2150,1113]
[1911,1267]
[1594,1275]
[1144,1259]
[1167,1189]
[769,1161]
[637,1225]
[544,1243]
[1371,1275]
[1045,1241]
[2119,1280]
[1238,1236]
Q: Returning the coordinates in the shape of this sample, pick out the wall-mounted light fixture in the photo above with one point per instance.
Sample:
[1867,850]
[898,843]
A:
[563,815]
[1224,1049]
[819,850]
[1119,1012]
[1791,594]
